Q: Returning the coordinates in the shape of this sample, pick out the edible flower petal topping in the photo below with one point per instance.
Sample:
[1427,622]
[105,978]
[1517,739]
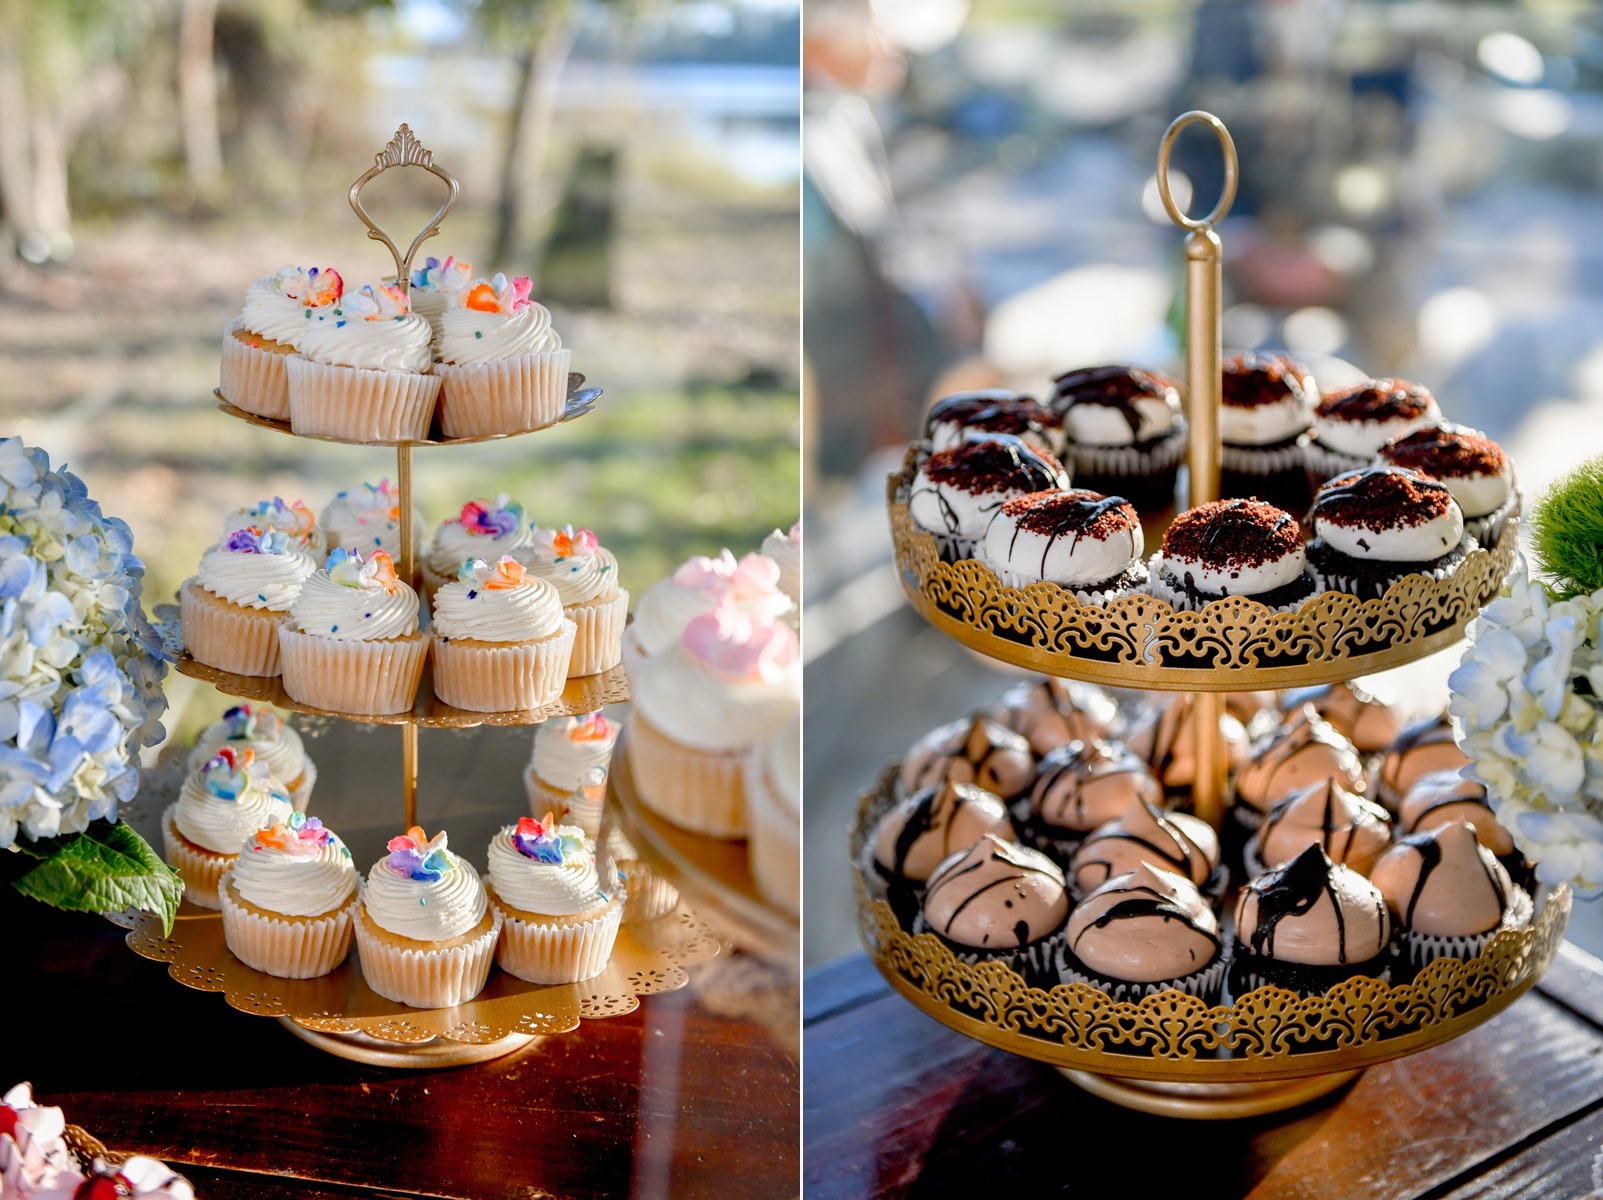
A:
[414,855]
[300,836]
[251,540]
[558,544]
[349,568]
[232,772]
[592,727]
[482,519]
[741,648]
[382,303]
[433,271]
[754,577]
[508,572]
[540,841]
[293,519]
[500,295]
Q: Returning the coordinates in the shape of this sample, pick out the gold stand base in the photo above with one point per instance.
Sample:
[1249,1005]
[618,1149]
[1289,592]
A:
[424,1056]
[1209,1101]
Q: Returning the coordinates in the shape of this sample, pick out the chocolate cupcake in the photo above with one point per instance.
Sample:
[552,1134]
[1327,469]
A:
[1309,924]
[1305,750]
[1144,932]
[1166,736]
[1473,468]
[1350,426]
[1266,404]
[1144,833]
[973,750]
[959,418]
[1372,527]
[1420,750]
[1078,787]
[1351,830]
[1002,902]
[1052,712]
[1123,432]
[1086,542]
[913,838]
[1449,894]
[1232,548]
[1439,798]
[1367,721]
[958,491]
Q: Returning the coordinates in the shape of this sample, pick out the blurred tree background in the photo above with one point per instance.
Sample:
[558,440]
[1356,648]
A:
[638,158]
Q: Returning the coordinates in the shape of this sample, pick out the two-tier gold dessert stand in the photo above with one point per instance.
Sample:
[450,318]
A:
[1173,1054]
[339,1013]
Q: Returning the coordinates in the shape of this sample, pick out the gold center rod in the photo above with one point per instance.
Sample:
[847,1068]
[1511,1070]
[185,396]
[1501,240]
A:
[403,484]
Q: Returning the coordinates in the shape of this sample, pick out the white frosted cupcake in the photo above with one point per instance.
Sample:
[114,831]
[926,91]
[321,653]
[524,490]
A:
[435,287]
[558,925]
[585,575]
[219,806]
[502,365]
[750,585]
[1086,542]
[425,932]
[957,492]
[258,344]
[352,644]
[232,606]
[363,371]
[786,551]
[773,816]
[483,529]
[501,641]
[293,520]
[1351,425]
[731,683]
[565,750]
[289,902]
[368,518]
[266,735]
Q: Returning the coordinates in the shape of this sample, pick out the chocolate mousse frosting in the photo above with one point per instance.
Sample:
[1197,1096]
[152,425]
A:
[1313,912]
[1145,926]
[1422,749]
[1303,751]
[1167,740]
[1052,712]
[996,896]
[1350,829]
[1082,785]
[915,836]
[978,751]
[1444,883]
[1113,387]
[1144,833]
[1440,797]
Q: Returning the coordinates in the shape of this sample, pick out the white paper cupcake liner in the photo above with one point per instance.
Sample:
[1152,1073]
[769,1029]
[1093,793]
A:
[502,676]
[703,791]
[1333,579]
[1422,948]
[1488,529]
[418,976]
[284,946]
[370,678]
[200,868]
[509,396]
[228,636]
[540,949]
[773,844]
[253,379]
[598,642]
[358,403]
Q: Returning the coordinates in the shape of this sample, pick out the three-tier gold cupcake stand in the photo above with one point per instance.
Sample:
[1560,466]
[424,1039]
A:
[339,1013]
[1171,1053]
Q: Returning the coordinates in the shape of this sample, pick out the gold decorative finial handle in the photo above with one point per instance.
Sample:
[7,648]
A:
[1203,351]
[404,150]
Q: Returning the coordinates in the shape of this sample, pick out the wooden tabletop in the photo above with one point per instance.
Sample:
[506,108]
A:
[689,1095]
[898,1105]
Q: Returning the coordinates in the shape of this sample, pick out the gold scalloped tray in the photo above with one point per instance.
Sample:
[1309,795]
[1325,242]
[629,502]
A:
[1269,1033]
[711,873]
[1233,644]
[580,401]
[649,957]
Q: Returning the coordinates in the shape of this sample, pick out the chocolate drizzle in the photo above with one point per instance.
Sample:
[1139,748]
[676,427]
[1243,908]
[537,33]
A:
[1380,498]
[1291,891]
[1341,813]
[1147,902]
[994,410]
[1427,845]
[1378,400]
[1305,733]
[981,757]
[1075,514]
[933,811]
[1068,769]
[996,463]
[1113,387]
[1018,863]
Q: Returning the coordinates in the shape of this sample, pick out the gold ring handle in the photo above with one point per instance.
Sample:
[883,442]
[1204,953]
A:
[1226,144]
[404,150]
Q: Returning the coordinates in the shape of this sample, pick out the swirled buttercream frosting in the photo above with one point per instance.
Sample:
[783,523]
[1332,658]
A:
[497,320]
[255,570]
[371,327]
[295,867]
[282,305]
[420,890]
[483,529]
[497,604]
[259,730]
[353,598]
[567,748]
[574,563]
[368,518]
[543,868]
[227,800]
[751,584]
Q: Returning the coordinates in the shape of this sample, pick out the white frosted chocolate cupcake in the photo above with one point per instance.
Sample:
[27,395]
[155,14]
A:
[425,931]
[1081,786]
[786,551]
[363,372]
[1351,830]
[558,925]
[565,751]
[351,644]
[751,585]
[1448,893]
[1086,542]
[483,529]
[998,901]
[1145,931]
[1232,548]
[502,365]
[1303,751]
[501,641]
[730,685]
[1266,404]
[219,806]
[1473,468]
[958,491]
[258,343]
[435,287]
[368,518]
[956,419]
[773,817]
[289,901]
[1144,834]
[1049,712]
[1351,425]
[1372,527]
[1439,798]
[585,575]
[1123,431]
[272,741]
[294,520]
[233,605]
[973,750]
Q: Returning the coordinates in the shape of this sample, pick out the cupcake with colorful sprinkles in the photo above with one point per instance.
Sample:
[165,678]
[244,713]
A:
[294,520]
[289,902]
[217,809]
[585,575]
[266,735]
[486,529]
[259,343]
[232,607]
[368,518]
[502,364]
[565,750]
[558,923]
[435,287]
[425,931]
[501,641]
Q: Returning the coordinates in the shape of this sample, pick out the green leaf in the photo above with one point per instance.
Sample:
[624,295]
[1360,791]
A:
[107,868]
